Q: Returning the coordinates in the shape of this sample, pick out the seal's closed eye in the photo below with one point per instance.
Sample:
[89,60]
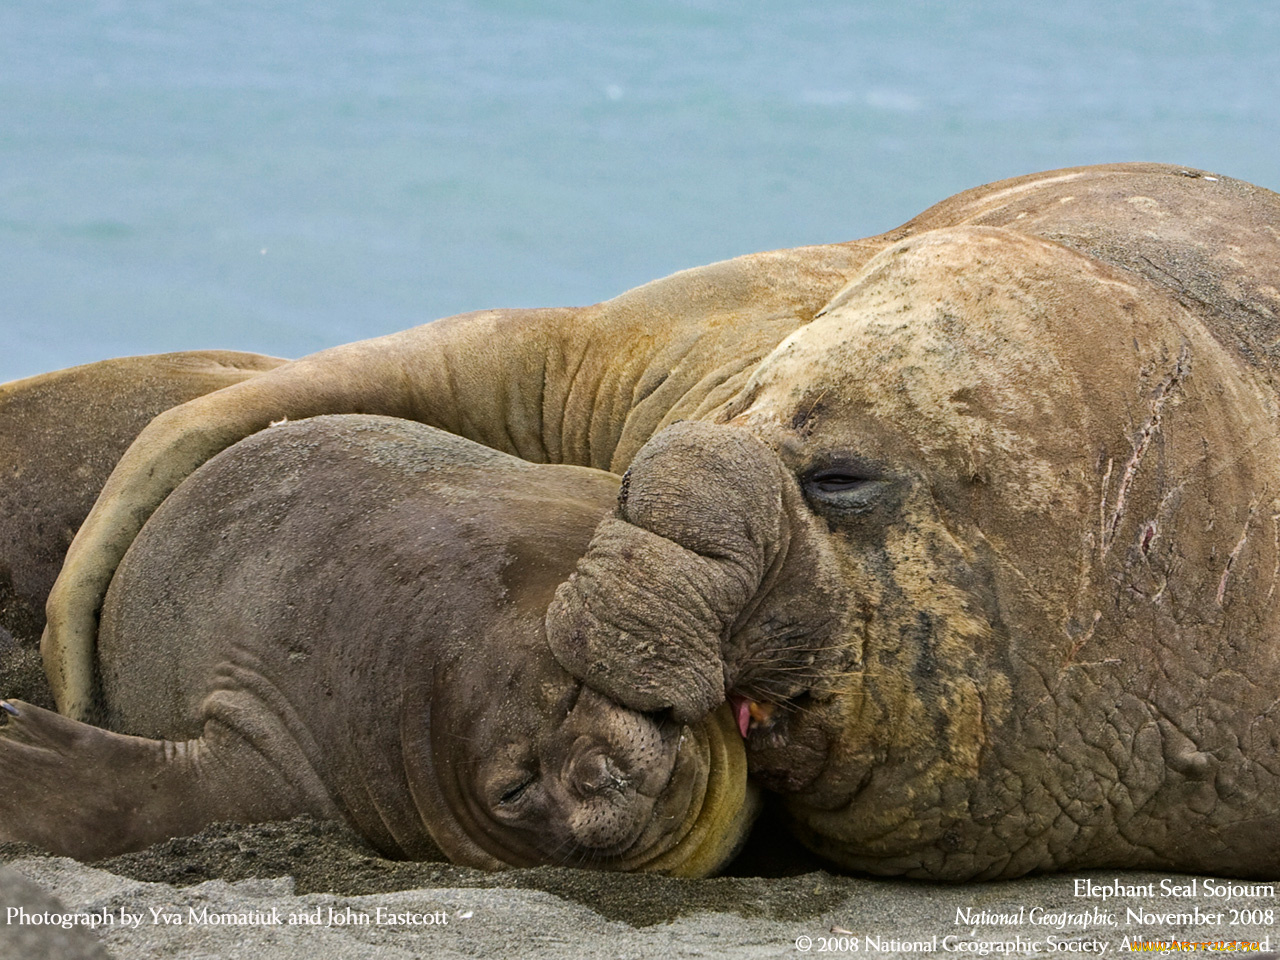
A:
[835,482]
[849,487]
[516,791]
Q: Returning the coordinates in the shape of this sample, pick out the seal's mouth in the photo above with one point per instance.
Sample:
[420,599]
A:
[752,716]
[709,801]
[787,747]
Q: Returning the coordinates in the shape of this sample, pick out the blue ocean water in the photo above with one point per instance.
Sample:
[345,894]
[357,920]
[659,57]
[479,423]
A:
[282,176]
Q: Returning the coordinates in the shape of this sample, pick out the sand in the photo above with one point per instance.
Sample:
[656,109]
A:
[304,890]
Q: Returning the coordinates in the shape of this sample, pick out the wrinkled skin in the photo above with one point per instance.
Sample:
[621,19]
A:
[992,497]
[739,592]
[343,617]
[1062,560]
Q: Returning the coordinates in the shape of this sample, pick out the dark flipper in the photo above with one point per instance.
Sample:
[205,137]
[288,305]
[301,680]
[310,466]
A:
[85,792]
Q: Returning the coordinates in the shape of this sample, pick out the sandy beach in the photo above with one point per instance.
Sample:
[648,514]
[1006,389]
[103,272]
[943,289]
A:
[305,889]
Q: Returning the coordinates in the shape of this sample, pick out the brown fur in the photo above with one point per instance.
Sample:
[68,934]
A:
[1057,533]
[586,386]
[1069,585]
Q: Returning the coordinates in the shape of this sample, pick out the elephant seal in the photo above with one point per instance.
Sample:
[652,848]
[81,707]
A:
[343,617]
[991,595]
[1037,504]
[60,436]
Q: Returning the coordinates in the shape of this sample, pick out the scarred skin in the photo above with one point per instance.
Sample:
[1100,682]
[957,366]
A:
[994,594]
[1051,497]
[342,617]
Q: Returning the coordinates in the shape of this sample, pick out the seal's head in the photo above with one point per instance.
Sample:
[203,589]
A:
[512,762]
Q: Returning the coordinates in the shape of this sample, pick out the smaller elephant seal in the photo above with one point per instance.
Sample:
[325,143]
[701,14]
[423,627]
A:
[343,617]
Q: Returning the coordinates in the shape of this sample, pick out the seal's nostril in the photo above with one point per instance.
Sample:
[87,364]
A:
[594,773]
[590,774]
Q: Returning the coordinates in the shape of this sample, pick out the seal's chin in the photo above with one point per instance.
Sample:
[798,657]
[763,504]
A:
[717,812]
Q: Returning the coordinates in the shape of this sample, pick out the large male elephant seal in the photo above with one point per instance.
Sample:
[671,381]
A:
[972,522]
[1037,505]
[343,617]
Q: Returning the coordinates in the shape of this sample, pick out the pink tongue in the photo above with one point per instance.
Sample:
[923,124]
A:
[742,711]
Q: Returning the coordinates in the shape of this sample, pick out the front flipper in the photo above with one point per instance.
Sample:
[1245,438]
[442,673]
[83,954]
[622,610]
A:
[85,792]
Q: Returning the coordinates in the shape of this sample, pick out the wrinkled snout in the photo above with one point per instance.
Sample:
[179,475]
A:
[713,576]
[699,523]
